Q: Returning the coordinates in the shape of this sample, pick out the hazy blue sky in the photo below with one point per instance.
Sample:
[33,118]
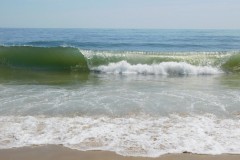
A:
[120,13]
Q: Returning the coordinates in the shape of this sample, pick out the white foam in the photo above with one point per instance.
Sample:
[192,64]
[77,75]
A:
[135,136]
[164,68]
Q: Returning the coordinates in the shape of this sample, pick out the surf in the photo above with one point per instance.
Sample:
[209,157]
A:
[143,136]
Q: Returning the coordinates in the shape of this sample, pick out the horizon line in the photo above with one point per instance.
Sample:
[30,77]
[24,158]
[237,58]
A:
[120,28]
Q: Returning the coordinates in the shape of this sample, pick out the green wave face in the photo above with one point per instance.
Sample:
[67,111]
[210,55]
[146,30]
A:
[232,64]
[39,58]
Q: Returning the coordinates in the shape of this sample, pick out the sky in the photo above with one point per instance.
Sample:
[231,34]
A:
[161,14]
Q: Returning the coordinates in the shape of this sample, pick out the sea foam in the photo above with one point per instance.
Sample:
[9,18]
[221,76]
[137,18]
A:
[140,135]
[164,68]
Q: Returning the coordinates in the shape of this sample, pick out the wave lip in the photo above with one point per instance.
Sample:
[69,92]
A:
[164,68]
[97,58]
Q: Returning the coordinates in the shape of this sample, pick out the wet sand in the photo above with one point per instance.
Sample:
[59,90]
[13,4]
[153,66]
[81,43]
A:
[52,152]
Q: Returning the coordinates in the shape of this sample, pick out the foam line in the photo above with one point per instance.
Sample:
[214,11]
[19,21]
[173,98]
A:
[164,68]
[140,135]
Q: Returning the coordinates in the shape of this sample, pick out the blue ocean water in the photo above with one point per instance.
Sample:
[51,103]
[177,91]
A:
[132,91]
[126,39]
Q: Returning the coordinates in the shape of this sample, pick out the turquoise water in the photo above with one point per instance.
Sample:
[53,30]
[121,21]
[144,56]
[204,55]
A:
[135,92]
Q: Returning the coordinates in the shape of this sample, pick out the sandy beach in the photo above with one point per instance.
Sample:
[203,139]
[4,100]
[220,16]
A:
[51,152]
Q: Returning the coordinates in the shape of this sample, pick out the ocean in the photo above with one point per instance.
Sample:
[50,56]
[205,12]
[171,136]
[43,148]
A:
[132,91]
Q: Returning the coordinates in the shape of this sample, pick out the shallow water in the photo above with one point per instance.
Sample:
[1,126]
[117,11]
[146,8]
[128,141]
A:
[119,95]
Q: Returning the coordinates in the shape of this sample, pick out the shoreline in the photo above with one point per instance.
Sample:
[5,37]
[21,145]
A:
[50,152]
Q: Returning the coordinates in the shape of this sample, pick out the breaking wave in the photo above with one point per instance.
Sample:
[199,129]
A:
[164,68]
[73,59]
[162,63]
